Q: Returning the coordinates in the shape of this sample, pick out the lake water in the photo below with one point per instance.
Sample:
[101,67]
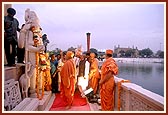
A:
[148,75]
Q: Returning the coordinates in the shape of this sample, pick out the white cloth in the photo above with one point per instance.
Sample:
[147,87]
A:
[83,81]
[87,67]
[60,64]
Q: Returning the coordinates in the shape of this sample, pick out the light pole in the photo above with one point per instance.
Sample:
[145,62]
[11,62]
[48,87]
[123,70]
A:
[160,46]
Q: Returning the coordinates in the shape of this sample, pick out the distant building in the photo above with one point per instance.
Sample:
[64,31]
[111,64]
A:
[126,52]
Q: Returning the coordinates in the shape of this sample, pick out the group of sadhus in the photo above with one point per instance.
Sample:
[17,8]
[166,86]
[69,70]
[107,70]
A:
[82,72]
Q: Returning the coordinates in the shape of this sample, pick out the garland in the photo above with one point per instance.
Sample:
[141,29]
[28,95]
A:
[36,32]
[37,78]
[119,92]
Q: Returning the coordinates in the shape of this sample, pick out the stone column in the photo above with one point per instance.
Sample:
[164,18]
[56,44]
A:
[88,41]
[6,6]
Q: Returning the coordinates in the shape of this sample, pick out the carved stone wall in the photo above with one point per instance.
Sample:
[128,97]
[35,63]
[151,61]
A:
[139,104]
[12,95]
[135,98]
[123,99]
[143,102]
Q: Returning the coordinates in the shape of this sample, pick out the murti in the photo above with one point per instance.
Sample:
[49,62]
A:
[35,70]
[40,65]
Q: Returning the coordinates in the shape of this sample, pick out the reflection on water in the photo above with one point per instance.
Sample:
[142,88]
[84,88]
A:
[148,75]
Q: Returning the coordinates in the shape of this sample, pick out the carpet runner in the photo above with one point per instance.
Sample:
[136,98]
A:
[79,104]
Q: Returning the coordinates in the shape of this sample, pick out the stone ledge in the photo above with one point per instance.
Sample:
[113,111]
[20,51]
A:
[43,103]
[28,104]
[47,108]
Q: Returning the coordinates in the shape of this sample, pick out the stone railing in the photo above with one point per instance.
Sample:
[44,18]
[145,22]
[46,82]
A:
[135,98]
[13,100]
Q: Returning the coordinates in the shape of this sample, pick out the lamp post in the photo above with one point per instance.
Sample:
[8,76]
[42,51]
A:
[88,41]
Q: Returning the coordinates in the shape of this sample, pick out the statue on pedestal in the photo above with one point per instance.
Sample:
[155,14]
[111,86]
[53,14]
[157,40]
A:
[33,46]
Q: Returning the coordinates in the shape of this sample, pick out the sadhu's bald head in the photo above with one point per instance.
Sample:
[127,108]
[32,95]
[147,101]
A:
[69,54]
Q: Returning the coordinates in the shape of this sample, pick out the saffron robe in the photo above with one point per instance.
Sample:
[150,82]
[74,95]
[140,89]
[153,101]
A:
[107,88]
[68,81]
[94,75]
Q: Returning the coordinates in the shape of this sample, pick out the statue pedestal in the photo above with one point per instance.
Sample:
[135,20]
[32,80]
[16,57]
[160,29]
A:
[33,95]
[44,102]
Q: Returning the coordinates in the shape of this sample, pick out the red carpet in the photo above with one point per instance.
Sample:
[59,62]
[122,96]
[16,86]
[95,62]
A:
[79,104]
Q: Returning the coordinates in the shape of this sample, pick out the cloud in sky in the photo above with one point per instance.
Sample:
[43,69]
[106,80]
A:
[110,24]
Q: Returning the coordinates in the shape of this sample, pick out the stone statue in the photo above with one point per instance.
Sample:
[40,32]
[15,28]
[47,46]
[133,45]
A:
[24,84]
[33,45]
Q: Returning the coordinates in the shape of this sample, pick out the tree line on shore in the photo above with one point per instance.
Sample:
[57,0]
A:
[144,53]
